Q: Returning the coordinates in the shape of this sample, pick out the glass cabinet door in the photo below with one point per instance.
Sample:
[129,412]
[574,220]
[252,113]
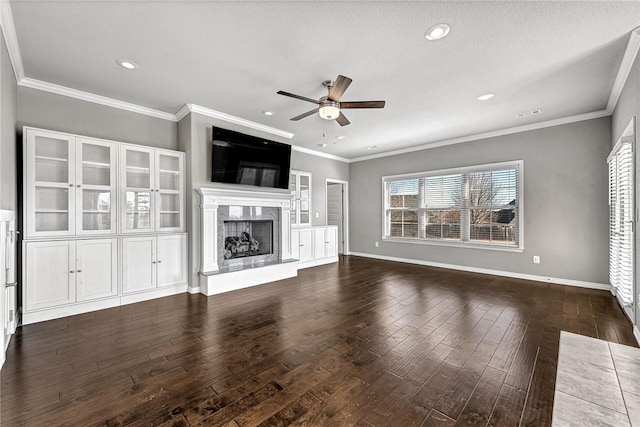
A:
[136,166]
[300,186]
[50,195]
[95,188]
[293,187]
[305,199]
[169,190]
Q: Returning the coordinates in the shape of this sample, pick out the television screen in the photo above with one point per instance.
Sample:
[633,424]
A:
[248,160]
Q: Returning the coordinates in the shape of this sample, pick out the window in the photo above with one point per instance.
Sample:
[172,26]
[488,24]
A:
[476,205]
[621,195]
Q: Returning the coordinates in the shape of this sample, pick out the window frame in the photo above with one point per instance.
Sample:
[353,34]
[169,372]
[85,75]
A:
[517,164]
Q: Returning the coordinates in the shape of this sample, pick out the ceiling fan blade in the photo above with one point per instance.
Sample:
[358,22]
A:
[362,104]
[342,120]
[293,95]
[303,115]
[339,86]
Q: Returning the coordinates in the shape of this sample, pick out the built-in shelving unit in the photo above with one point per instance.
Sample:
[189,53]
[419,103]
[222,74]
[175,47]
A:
[81,197]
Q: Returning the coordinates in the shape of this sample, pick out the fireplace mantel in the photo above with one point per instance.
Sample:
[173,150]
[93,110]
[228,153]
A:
[213,279]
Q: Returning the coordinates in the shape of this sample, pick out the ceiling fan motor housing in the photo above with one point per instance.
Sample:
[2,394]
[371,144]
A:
[328,110]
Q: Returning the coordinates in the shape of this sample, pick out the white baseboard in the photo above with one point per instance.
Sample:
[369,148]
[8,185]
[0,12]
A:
[69,310]
[545,279]
[194,290]
[317,262]
[636,333]
[156,293]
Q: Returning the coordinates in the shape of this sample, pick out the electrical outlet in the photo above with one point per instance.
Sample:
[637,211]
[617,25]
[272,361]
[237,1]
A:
[536,259]
[317,214]
[377,244]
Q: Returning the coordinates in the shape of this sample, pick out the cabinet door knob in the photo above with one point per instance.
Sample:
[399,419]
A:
[79,271]
[153,262]
[159,262]
[70,185]
[71,271]
[301,245]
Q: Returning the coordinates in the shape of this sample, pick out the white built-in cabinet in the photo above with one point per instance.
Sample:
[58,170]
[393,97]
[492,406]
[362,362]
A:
[70,185]
[302,244]
[315,245]
[325,241]
[152,262]
[153,190]
[102,220]
[300,187]
[62,272]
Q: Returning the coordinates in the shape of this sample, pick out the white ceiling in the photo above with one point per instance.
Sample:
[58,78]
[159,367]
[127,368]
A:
[559,57]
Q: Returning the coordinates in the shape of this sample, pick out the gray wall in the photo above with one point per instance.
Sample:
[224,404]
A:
[65,114]
[628,104]
[8,107]
[195,135]
[628,107]
[565,201]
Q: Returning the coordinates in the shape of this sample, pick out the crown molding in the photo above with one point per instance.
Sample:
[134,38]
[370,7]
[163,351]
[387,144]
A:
[633,46]
[491,134]
[233,119]
[11,39]
[319,154]
[97,99]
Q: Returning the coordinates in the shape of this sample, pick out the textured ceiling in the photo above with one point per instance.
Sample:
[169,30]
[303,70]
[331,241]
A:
[559,57]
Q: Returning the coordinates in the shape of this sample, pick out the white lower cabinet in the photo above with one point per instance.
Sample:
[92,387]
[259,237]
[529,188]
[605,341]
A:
[153,262]
[302,244]
[67,277]
[315,245]
[64,272]
[326,241]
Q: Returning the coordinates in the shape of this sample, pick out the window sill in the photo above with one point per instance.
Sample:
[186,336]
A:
[467,245]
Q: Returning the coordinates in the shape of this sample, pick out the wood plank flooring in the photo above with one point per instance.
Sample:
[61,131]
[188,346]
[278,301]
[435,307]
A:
[363,342]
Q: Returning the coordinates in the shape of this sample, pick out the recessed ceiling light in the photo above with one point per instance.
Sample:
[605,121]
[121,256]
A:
[340,137]
[322,145]
[372,148]
[437,32]
[269,113]
[485,97]
[125,63]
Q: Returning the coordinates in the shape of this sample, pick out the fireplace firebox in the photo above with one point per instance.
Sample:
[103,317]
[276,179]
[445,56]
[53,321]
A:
[247,238]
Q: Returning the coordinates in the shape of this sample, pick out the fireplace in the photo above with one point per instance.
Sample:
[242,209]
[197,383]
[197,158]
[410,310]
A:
[247,238]
[230,211]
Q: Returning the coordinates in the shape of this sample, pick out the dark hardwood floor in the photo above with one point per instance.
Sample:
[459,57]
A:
[362,342]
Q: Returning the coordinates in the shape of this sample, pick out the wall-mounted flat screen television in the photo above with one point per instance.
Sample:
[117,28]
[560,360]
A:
[242,159]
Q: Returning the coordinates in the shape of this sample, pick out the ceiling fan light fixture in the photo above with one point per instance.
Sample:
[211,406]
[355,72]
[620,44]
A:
[437,32]
[329,112]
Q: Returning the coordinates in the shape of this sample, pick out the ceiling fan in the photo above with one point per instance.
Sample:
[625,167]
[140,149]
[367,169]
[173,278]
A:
[330,106]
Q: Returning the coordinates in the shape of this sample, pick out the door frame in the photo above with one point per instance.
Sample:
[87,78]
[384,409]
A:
[345,210]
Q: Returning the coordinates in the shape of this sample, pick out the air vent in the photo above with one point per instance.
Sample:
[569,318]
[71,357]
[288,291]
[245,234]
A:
[528,113]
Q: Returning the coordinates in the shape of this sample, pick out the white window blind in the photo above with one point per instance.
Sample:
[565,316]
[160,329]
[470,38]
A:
[621,221]
[468,205]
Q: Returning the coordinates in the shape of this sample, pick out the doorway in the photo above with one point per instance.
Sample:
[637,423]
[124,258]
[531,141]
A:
[337,197]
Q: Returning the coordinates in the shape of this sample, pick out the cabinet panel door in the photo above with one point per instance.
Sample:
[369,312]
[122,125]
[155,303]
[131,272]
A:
[138,264]
[95,186]
[172,260]
[50,274]
[169,190]
[137,201]
[295,244]
[49,184]
[97,269]
[331,241]
[319,245]
[306,244]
